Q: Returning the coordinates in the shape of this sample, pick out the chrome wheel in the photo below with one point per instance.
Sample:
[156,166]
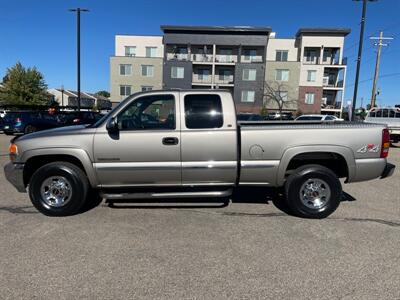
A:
[56,191]
[315,193]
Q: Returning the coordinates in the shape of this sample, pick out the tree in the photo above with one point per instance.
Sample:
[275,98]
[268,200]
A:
[23,86]
[278,94]
[103,93]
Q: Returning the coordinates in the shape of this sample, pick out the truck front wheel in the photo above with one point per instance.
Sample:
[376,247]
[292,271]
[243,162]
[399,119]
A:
[58,189]
[313,191]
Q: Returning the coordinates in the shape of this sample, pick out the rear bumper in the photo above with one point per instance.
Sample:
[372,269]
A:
[15,175]
[388,171]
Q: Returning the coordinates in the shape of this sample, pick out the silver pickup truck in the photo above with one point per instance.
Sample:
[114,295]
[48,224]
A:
[188,143]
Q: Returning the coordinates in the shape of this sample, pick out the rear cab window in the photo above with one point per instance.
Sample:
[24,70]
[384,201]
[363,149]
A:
[203,111]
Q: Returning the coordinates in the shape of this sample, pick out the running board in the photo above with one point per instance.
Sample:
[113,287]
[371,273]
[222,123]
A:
[216,194]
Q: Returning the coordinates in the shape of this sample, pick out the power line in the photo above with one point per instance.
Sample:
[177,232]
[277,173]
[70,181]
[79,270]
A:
[372,78]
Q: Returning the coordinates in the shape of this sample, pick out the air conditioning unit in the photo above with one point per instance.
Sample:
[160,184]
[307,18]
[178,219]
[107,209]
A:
[324,100]
[325,81]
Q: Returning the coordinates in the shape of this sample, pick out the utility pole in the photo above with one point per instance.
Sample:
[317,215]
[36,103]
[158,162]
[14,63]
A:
[360,45]
[78,50]
[380,44]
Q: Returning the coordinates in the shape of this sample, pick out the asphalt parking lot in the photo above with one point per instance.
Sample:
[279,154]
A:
[248,249]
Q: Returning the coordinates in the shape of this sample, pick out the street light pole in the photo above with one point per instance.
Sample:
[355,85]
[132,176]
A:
[78,50]
[360,45]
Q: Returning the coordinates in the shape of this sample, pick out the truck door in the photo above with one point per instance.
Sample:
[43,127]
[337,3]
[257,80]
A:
[208,139]
[146,150]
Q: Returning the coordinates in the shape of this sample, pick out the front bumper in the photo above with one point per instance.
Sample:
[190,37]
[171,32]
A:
[388,171]
[15,175]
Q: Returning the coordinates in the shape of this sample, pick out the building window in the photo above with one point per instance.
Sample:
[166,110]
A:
[146,88]
[311,75]
[282,95]
[225,75]
[204,75]
[177,72]
[125,90]
[249,74]
[225,55]
[282,75]
[130,50]
[281,55]
[250,54]
[248,96]
[309,99]
[151,51]
[125,70]
[147,71]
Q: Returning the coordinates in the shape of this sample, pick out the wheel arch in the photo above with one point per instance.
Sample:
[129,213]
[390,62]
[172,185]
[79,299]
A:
[39,157]
[317,154]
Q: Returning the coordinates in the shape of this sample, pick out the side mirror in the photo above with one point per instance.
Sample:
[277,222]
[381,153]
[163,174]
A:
[112,125]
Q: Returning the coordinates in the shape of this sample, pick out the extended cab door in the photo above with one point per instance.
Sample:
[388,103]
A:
[146,150]
[208,138]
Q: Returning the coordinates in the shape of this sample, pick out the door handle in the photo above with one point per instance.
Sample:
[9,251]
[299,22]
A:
[170,141]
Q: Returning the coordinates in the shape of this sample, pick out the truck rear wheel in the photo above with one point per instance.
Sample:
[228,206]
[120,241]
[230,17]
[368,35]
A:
[58,189]
[313,191]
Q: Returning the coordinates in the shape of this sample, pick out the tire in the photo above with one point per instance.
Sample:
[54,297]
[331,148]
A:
[58,189]
[313,191]
[29,129]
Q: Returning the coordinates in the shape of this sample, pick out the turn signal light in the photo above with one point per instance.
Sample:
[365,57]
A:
[13,151]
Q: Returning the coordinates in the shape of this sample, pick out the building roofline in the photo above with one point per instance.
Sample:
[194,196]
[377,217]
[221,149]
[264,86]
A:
[216,29]
[325,31]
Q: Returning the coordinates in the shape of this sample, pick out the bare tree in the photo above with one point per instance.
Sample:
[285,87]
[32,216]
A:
[278,93]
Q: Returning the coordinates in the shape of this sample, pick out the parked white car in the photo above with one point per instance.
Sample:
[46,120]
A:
[318,118]
[389,116]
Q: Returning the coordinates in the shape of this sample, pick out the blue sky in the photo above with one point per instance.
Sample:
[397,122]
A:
[42,33]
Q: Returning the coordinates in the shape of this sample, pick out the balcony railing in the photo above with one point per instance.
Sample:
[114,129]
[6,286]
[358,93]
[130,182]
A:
[202,57]
[224,80]
[326,82]
[223,58]
[177,56]
[205,79]
[252,58]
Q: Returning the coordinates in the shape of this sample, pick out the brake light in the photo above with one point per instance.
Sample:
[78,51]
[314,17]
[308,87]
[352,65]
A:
[18,120]
[385,143]
[76,120]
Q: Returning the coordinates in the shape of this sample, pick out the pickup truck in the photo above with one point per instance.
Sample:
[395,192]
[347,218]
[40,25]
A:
[389,116]
[188,143]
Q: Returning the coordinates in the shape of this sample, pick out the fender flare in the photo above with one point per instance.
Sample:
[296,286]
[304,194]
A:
[289,153]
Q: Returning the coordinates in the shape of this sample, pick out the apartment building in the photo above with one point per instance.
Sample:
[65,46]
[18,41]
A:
[230,58]
[310,68]
[136,66]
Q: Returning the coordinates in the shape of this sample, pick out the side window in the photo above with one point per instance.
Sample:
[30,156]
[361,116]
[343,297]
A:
[155,112]
[379,113]
[385,113]
[203,111]
[391,113]
[372,114]
[397,114]
[329,118]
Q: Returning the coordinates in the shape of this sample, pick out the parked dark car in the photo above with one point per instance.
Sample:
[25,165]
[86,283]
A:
[1,124]
[28,121]
[67,118]
[249,117]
